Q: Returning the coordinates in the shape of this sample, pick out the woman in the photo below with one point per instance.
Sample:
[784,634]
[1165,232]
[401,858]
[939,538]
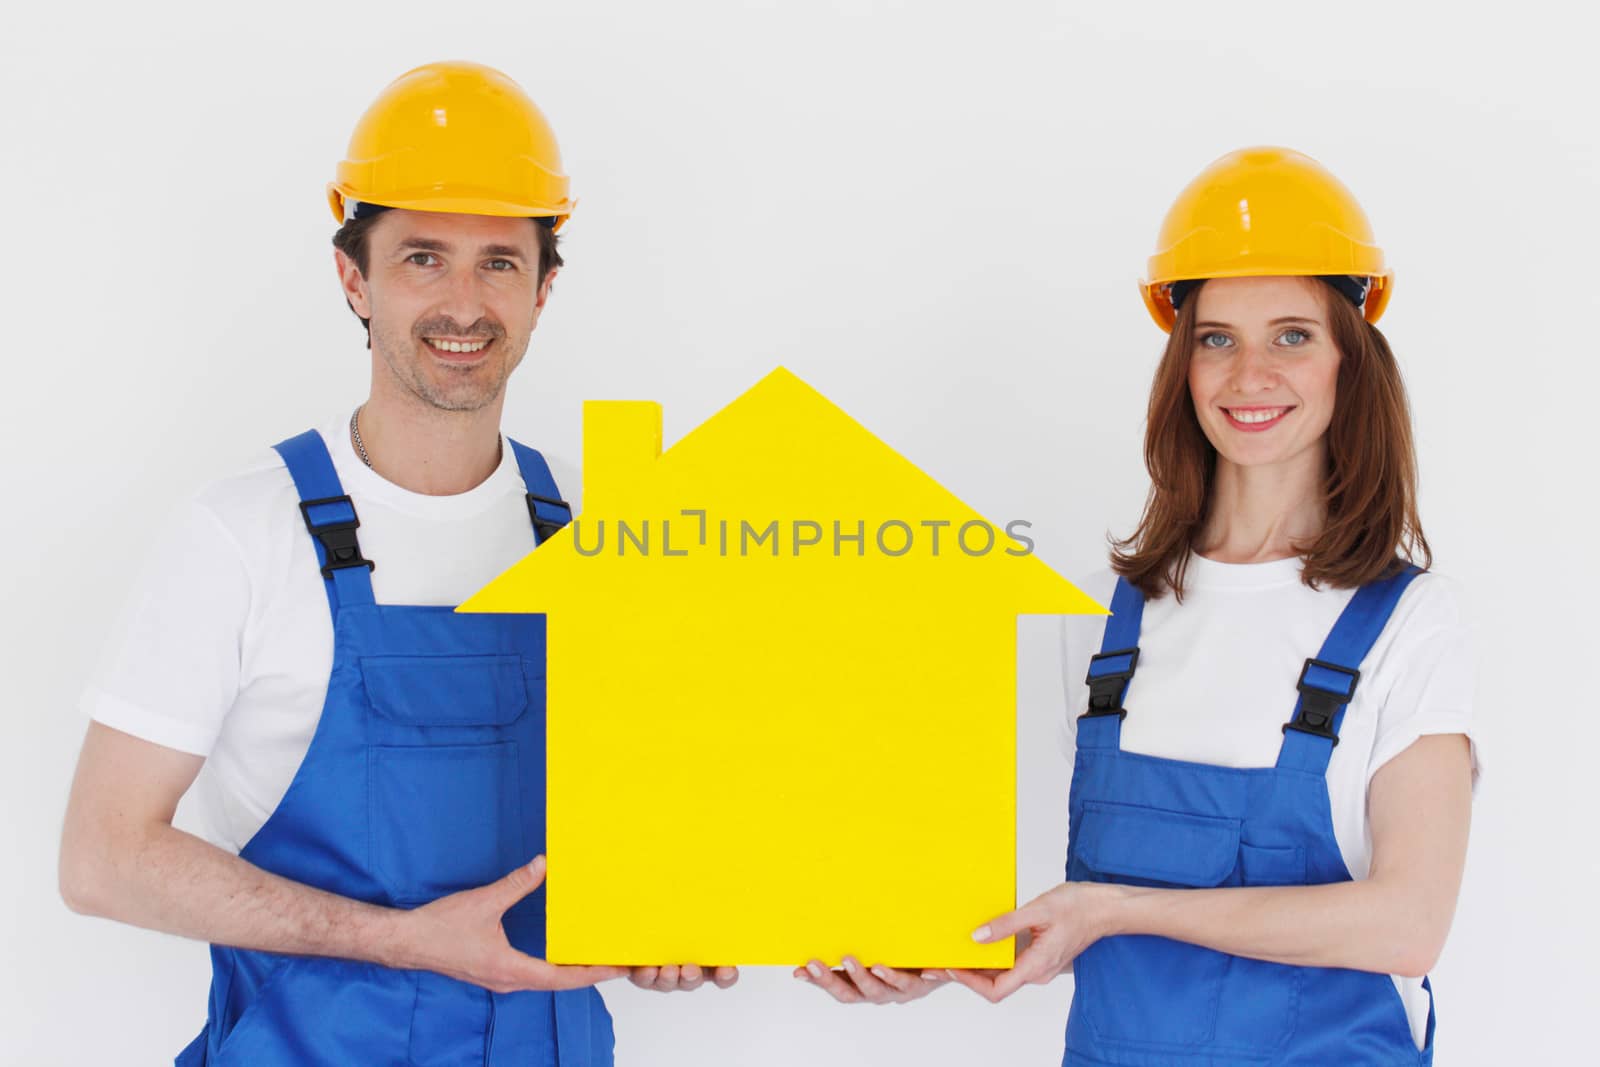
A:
[1255,874]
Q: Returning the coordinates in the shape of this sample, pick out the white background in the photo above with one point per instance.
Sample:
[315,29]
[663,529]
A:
[934,213]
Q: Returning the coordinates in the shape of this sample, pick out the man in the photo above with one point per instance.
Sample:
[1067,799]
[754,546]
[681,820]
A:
[374,763]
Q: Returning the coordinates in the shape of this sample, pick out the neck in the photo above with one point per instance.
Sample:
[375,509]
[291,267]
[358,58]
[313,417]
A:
[426,450]
[1263,513]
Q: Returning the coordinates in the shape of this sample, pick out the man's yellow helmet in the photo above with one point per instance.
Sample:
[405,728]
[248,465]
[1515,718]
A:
[458,137]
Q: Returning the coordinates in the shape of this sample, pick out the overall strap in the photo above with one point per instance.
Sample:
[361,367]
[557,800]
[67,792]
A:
[545,506]
[1328,680]
[331,518]
[1111,670]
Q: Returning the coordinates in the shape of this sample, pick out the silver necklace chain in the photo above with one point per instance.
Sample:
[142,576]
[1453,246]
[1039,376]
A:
[355,434]
[361,449]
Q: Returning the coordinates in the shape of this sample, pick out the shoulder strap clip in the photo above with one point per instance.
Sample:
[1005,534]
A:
[548,514]
[1109,673]
[337,534]
[1324,689]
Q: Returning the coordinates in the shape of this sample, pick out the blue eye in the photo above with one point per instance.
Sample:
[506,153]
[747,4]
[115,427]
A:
[1223,340]
[1294,337]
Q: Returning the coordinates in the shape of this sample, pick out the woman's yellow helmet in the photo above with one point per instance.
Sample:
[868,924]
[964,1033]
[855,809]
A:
[1264,211]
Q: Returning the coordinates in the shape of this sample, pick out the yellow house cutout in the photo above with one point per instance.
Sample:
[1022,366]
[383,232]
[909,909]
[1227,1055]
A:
[781,696]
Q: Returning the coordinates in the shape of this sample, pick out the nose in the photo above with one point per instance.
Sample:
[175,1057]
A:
[462,300]
[1253,369]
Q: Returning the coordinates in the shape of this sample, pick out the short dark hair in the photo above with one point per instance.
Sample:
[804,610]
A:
[351,239]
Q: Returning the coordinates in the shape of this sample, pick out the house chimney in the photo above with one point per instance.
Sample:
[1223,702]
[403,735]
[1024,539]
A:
[621,438]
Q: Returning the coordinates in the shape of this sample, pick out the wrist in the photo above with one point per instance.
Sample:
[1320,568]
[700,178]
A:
[1114,910]
[393,938]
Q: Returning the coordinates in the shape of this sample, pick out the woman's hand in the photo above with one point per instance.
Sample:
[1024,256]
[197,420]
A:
[673,979]
[876,985]
[1051,929]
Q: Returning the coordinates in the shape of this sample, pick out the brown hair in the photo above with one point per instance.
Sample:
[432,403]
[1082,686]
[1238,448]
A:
[1369,489]
[351,239]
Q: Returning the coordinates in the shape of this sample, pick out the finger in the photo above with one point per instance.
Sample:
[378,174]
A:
[1011,981]
[981,984]
[899,981]
[726,976]
[550,976]
[690,977]
[1009,924]
[596,975]
[833,983]
[667,980]
[871,988]
[520,882]
[1033,965]
[643,977]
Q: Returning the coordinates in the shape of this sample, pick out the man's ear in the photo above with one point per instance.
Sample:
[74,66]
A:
[545,287]
[353,284]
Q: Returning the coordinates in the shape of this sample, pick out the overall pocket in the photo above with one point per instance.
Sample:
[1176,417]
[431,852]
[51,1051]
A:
[443,692]
[316,1011]
[1260,1005]
[1135,988]
[444,817]
[444,771]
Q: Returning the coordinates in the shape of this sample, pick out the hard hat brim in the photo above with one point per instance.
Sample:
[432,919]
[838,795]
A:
[1159,304]
[454,205]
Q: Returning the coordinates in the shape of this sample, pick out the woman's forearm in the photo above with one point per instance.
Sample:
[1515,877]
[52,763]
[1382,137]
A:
[1363,925]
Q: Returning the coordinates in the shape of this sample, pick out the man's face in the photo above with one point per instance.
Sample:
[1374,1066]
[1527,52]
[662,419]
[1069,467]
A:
[452,301]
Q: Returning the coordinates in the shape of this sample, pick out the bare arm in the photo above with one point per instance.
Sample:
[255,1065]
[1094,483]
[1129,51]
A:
[1394,921]
[122,859]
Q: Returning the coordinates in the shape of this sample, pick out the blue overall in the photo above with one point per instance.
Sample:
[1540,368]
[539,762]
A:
[425,776]
[1146,1001]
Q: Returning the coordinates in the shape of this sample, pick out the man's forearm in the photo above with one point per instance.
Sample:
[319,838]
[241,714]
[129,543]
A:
[172,881]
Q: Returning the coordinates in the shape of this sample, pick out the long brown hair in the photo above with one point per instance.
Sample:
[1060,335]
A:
[1369,488]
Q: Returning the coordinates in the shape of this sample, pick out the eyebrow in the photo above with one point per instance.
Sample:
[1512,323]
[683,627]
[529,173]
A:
[430,244]
[1281,320]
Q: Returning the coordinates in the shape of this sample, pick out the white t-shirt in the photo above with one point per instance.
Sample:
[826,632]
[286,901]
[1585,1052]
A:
[1216,680]
[226,642]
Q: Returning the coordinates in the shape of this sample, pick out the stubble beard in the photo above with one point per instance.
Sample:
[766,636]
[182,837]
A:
[453,390]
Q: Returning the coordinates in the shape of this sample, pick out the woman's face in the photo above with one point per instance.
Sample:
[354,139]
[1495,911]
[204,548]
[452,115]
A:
[1263,370]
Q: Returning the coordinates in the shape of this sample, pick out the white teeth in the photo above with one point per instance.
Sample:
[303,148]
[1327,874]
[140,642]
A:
[1256,415]
[457,346]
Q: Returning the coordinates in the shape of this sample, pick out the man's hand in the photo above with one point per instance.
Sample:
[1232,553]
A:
[460,936]
[1051,929]
[690,976]
[878,985]
[122,859]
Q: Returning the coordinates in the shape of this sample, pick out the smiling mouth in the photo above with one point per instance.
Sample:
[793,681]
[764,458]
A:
[1256,419]
[458,351]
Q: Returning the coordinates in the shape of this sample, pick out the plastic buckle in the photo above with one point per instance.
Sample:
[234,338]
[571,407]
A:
[1106,687]
[1319,704]
[338,538]
[547,528]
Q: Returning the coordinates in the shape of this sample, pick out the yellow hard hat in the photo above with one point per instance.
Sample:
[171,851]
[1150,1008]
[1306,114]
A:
[1264,211]
[458,137]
